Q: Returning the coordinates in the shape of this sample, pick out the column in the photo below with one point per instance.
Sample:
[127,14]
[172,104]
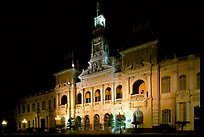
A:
[175,82]
[58,99]
[113,92]
[190,80]
[102,94]
[92,96]
[187,111]
[177,112]
[149,86]
[128,86]
[82,98]
[56,102]
[72,100]
[69,101]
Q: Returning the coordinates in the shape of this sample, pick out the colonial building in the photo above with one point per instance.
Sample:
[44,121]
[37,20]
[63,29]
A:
[135,90]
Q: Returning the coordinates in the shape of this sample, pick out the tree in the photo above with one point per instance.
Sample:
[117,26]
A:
[111,122]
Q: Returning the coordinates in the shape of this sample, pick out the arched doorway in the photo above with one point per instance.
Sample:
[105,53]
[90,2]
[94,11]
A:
[78,122]
[86,122]
[137,118]
[197,122]
[96,122]
[106,121]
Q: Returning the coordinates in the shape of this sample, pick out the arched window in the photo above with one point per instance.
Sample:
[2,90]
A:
[88,97]
[166,116]
[182,82]
[165,84]
[79,98]
[64,100]
[108,93]
[119,92]
[97,95]
[138,87]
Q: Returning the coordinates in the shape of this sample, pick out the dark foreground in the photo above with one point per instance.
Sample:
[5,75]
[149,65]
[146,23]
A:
[97,133]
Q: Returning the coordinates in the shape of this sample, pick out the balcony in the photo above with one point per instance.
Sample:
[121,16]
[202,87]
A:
[182,95]
[97,103]
[119,100]
[87,104]
[138,97]
[107,101]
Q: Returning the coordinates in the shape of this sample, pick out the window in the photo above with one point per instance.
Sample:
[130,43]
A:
[43,105]
[138,87]
[54,103]
[198,80]
[108,93]
[38,105]
[64,100]
[19,110]
[165,83]
[182,112]
[79,98]
[88,97]
[28,124]
[33,124]
[19,124]
[49,106]
[28,108]
[182,82]
[33,107]
[166,116]
[23,108]
[118,92]
[98,95]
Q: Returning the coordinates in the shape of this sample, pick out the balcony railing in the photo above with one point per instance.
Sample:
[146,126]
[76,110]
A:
[107,101]
[138,96]
[97,103]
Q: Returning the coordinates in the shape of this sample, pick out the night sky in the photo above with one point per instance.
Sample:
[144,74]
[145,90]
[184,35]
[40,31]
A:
[38,37]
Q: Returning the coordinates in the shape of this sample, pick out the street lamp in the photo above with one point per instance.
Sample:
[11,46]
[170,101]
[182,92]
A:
[24,123]
[4,124]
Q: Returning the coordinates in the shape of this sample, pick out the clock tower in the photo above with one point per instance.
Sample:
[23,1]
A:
[99,45]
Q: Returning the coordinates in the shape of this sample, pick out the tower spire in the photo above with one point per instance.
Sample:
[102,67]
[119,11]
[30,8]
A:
[97,8]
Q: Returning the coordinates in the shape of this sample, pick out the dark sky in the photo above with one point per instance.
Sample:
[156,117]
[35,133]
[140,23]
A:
[38,36]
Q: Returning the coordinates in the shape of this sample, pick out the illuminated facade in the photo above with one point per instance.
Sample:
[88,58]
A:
[136,86]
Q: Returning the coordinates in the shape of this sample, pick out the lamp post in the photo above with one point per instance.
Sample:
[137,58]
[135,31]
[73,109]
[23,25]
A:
[4,124]
[24,123]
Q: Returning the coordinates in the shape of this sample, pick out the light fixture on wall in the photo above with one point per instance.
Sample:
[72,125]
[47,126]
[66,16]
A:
[24,123]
